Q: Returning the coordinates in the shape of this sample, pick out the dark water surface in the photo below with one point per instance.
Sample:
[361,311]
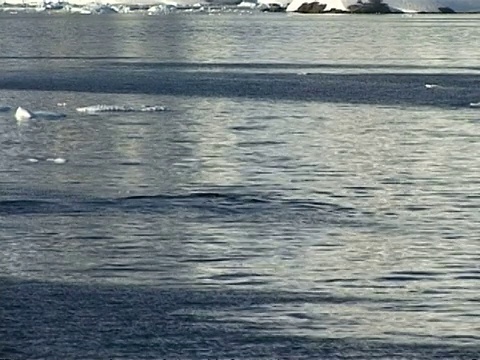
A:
[303,195]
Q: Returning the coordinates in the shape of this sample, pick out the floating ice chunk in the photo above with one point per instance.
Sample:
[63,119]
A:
[475,105]
[247,5]
[54,160]
[432,86]
[22,114]
[158,9]
[95,8]
[94,109]
[57,160]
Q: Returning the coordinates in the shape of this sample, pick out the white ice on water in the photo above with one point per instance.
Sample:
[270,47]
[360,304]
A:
[148,7]
[57,160]
[156,7]
[95,109]
[23,114]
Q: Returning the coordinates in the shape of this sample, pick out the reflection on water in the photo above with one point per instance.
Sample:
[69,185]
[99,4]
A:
[339,208]
[321,218]
[424,41]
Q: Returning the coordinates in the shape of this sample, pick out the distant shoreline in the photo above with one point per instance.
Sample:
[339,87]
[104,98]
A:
[310,8]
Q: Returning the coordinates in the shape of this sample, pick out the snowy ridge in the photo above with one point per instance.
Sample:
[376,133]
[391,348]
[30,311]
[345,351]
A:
[149,7]
[399,5]
[155,7]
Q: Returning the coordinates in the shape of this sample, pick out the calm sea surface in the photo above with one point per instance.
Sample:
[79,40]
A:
[304,195]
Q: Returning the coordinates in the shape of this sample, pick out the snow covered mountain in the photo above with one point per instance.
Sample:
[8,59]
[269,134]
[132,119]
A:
[402,5]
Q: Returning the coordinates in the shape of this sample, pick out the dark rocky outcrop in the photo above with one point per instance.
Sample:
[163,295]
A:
[311,8]
[274,8]
[370,7]
[446,10]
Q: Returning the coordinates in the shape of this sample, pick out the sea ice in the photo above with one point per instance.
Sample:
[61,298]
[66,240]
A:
[57,160]
[94,109]
[23,114]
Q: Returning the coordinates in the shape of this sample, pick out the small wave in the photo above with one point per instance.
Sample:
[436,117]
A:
[256,208]
[5,108]
[475,105]
[94,109]
[29,207]
[202,206]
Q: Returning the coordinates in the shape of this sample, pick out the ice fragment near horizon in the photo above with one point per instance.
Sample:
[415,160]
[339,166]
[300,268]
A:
[57,160]
[94,109]
[22,114]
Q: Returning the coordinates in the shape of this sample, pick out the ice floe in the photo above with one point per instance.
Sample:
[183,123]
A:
[57,160]
[148,7]
[95,109]
[158,9]
[475,105]
[161,7]
[23,114]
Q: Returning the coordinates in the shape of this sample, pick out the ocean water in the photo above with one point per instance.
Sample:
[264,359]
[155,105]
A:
[304,194]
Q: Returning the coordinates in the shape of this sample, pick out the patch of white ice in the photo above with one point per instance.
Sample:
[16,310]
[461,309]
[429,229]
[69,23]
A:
[23,114]
[57,160]
[94,109]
